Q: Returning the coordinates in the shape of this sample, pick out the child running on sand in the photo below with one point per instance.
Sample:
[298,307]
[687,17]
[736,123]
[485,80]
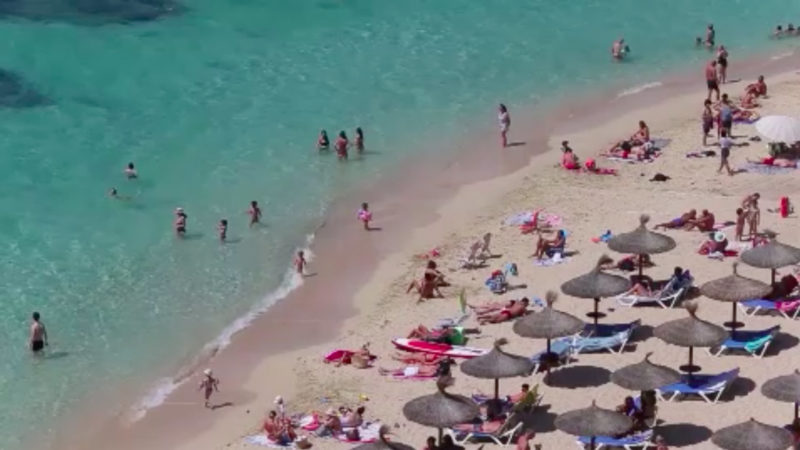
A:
[364,215]
[209,384]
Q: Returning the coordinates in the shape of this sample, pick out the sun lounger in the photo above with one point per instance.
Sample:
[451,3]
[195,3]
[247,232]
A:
[665,299]
[504,433]
[638,440]
[614,343]
[752,342]
[788,308]
[561,347]
[708,387]
[609,329]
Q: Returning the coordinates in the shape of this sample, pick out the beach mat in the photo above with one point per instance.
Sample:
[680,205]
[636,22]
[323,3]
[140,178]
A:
[765,169]
[262,441]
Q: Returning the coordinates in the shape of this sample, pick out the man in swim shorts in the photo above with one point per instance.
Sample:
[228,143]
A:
[711,78]
[678,222]
[516,310]
[38,338]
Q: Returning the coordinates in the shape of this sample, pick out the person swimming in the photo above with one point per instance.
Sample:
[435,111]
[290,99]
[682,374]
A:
[359,141]
[130,171]
[180,222]
[222,229]
[341,145]
[322,141]
[619,49]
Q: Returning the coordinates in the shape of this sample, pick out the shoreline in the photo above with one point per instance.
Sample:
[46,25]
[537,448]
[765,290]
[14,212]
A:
[246,357]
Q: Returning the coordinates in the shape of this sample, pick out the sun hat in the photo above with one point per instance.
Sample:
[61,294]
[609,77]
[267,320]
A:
[207,372]
[178,210]
[278,400]
[719,236]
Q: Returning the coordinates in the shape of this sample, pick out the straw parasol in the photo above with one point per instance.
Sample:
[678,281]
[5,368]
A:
[772,255]
[691,332]
[547,324]
[593,422]
[734,288]
[383,443]
[785,388]
[644,376]
[596,284]
[497,364]
[442,409]
[752,435]
[641,241]
[779,128]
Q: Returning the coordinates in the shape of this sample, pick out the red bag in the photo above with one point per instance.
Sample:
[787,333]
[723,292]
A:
[784,207]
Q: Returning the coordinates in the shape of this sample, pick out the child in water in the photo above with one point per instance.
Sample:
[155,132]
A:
[222,229]
[209,384]
[364,215]
[300,263]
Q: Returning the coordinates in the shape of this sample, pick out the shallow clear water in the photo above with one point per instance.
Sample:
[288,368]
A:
[220,104]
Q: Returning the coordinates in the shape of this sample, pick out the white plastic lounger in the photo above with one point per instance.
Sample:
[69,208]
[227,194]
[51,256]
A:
[665,300]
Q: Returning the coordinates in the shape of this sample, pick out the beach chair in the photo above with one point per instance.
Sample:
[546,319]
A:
[665,299]
[613,344]
[561,347]
[752,342]
[503,436]
[788,308]
[638,440]
[609,329]
[707,387]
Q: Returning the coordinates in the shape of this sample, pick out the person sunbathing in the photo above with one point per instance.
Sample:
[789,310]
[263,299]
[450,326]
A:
[359,358]
[775,161]
[591,167]
[550,247]
[703,223]
[418,371]
[517,310]
[680,278]
[628,263]
[491,307]
[424,333]
[428,287]
[424,359]
[279,431]
[624,150]
[715,245]
[352,419]
[678,222]
[757,89]
[642,135]
[783,288]
[569,161]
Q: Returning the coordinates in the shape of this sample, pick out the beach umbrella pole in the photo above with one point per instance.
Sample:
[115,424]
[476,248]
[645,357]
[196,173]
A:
[690,368]
[733,324]
[496,388]
[773,278]
[640,267]
[440,436]
[796,410]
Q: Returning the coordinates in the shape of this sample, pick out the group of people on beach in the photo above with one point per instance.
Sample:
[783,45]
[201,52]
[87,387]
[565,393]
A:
[342,144]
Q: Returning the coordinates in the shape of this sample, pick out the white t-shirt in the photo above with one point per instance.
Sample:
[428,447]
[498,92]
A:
[725,143]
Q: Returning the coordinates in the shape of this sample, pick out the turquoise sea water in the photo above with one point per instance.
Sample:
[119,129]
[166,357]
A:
[219,104]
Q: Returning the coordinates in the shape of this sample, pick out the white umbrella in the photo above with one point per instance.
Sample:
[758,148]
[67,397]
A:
[779,128]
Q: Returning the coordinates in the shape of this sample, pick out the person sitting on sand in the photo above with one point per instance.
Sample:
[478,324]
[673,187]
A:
[517,310]
[758,89]
[642,135]
[678,222]
[428,287]
[703,223]
[715,246]
[331,425]
[569,161]
[550,247]
[783,288]
[279,431]
[352,419]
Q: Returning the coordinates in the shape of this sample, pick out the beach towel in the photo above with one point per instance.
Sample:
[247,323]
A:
[369,432]
[261,440]
[603,237]
[543,219]
[549,262]
[407,373]
[766,169]
[723,225]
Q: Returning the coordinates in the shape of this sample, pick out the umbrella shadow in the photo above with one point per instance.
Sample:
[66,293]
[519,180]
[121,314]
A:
[642,333]
[684,434]
[576,377]
[540,420]
[741,387]
[781,342]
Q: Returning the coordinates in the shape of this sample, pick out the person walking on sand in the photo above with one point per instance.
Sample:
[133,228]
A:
[505,123]
[365,216]
[180,222]
[722,64]
[254,212]
[725,144]
[300,263]
[726,116]
[38,337]
[708,120]
[711,78]
[208,385]
[222,229]
[130,171]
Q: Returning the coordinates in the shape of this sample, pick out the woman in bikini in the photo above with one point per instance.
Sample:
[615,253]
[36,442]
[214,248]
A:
[341,145]
[322,141]
[180,222]
[752,213]
[722,64]
[642,136]
[505,123]
[359,140]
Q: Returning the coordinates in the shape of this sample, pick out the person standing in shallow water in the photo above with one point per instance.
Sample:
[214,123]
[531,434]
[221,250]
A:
[222,229]
[180,222]
[38,336]
[322,141]
[255,213]
[130,171]
[341,145]
[505,123]
[359,140]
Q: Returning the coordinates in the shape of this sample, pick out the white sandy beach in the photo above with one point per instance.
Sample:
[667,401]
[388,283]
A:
[588,205]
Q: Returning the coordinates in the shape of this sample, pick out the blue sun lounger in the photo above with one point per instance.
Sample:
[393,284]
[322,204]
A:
[562,347]
[614,343]
[752,342]
[608,329]
[708,387]
[638,440]
[788,308]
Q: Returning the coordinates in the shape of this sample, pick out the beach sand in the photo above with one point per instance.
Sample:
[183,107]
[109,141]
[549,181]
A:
[588,205]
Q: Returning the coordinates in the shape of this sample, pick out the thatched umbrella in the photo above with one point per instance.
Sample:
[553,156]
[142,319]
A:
[442,409]
[644,376]
[595,285]
[383,443]
[734,288]
[691,332]
[772,255]
[548,324]
[593,422]
[497,364]
[641,241]
[785,388]
[752,435]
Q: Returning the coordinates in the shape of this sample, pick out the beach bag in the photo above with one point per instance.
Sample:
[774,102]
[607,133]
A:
[785,207]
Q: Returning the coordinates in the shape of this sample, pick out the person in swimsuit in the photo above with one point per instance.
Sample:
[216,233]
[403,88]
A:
[642,135]
[708,120]
[725,144]
[678,222]
[341,145]
[518,309]
[711,78]
[254,212]
[322,141]
[130,171]
[752,213]
[300,263]
[222,229]
[778,32]
[180,222]
[722,64]
[364,215]
[505,123]
[710,34]
[703,223]
[208,385]
[359,140]
[757,89]
[618,49]
[726,116]
[38,337]
[568,160]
